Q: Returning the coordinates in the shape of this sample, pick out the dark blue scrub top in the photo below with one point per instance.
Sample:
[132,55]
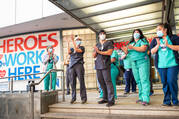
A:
[103,61]
[76,57]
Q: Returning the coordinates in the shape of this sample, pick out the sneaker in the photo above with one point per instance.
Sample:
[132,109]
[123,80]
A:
[139,101]
[109,104]
[102,101]
[145,103]
[126,93]
[72,101]
[83,101]
[134,92]
[167,105]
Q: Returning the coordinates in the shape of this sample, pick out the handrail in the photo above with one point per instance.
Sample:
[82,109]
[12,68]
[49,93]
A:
[51,70]
[11,79]
[34,84]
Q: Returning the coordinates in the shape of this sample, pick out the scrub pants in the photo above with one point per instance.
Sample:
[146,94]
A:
[129,79]
[169,77]
[104,78]
[77,71]
[68,79]
[47,78]
[114,75]
[141,72]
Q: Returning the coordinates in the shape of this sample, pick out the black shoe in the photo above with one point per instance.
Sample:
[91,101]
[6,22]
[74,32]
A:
[176,105]
[83,101]
[72,101]
[102,101]
[167,105]
[68,93]
[109,104]
[139,101]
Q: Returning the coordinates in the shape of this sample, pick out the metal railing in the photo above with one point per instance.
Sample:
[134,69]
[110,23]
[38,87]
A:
[11,81]
[34,84]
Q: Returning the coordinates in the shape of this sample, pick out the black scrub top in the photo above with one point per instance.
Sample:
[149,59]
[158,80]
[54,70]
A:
[103,61]
[76,57]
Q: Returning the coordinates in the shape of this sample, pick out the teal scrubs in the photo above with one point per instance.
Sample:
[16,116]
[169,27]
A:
[114,72]
[127,62]
[141,69]
[47,78]
[167,54]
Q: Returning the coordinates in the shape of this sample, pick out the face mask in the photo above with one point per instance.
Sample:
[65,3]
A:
[159,33]
[136,35]
[50,50]
[78,42]
[102,37]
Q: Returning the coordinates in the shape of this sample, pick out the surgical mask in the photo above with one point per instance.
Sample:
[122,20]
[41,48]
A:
[160,33]
[78,42]
[102,37]
[50,50]
[136,35]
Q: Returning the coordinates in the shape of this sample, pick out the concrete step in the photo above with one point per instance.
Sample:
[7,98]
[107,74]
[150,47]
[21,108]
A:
[59,115]
[155,110]
[125,108]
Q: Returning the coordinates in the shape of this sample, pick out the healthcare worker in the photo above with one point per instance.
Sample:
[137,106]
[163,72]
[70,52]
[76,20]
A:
[114,71]
[128,75]
[102,53]
[76,68]
[165,48]
[137,49]
[66,62]
[49,61]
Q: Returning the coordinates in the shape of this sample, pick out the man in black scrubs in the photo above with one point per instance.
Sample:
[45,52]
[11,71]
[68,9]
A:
[77,68]
[102,52]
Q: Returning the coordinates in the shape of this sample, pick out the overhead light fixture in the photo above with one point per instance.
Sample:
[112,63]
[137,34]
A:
[109,5]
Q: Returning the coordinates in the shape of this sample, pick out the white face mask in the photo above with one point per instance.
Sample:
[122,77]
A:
[78,43]
[50,50]
[102,37]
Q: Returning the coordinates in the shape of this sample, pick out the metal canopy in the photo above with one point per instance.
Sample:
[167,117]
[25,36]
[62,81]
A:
[117,17]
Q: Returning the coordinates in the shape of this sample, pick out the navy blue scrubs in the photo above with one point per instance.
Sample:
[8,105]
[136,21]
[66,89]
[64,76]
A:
[77,71]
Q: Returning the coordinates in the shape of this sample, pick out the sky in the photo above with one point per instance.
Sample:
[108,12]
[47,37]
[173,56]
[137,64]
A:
[19,11]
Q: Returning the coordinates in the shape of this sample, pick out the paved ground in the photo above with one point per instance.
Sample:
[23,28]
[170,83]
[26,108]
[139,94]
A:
[125,108]
[126,101]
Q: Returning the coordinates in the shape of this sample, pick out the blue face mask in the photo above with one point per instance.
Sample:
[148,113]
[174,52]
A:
[78,42]
[136,35]
[159,33]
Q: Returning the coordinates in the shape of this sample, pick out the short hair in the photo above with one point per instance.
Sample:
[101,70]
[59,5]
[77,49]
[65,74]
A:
[102,31]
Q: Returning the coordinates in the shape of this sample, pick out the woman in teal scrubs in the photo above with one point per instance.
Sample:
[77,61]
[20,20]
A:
[50,60]
[166,47]
[138,47]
